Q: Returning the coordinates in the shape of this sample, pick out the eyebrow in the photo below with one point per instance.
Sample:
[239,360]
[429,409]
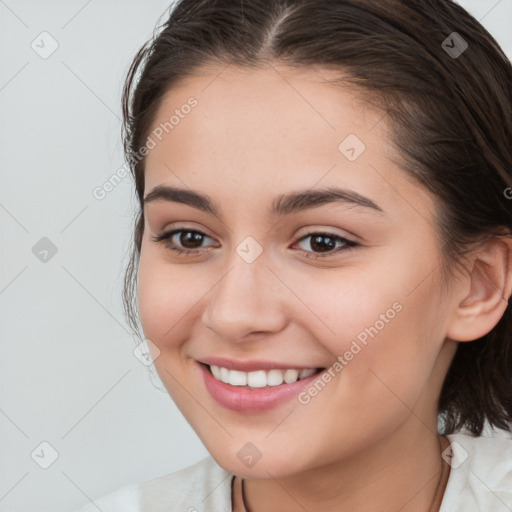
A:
[282,205]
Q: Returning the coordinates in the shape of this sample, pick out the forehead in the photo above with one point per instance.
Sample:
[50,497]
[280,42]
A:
[275,128]
[268,99]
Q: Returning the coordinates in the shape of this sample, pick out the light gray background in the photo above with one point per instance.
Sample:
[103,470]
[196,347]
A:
[68,374]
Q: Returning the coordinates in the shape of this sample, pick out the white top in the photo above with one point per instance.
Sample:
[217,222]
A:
[480,481]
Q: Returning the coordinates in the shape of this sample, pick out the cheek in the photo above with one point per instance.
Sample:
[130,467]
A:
[158,310]
[340,306]
[385,350]
[167,295]
[381,327]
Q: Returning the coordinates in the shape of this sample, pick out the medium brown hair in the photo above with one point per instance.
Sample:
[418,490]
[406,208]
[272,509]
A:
[451,119]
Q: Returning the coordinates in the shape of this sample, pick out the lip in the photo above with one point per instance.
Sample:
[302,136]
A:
[252,366]
[245,400]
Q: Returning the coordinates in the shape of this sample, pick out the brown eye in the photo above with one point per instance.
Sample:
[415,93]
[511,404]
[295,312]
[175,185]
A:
[182,240]
[326,243]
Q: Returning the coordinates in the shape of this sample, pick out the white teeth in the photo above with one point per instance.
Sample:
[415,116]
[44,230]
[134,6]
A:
[306,373]
[274,377]
[259,378]
[216,371]
[291,376]
[237,378]
[224,375]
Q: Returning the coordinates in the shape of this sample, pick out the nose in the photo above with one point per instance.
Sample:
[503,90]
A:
[247,301]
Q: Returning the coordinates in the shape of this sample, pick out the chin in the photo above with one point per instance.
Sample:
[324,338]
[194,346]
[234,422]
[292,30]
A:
[262,465]
[260,471]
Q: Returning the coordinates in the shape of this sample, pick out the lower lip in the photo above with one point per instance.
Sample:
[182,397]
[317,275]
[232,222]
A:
[246,400]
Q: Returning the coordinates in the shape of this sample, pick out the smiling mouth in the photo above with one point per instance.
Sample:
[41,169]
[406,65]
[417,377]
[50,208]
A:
[260,378]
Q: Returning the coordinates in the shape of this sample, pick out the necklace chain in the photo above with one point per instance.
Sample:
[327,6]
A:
[444,467]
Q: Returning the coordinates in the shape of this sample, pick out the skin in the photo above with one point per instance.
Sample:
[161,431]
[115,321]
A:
[368,440]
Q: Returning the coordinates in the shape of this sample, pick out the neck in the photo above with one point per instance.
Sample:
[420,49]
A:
[403,472]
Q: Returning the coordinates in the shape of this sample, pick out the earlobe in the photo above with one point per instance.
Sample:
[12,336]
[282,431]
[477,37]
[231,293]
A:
[490,288]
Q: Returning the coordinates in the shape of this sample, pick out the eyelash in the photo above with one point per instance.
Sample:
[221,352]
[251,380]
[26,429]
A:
[348,244]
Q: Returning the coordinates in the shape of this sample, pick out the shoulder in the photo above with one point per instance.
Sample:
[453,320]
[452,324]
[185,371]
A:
[480,474]
[202,486]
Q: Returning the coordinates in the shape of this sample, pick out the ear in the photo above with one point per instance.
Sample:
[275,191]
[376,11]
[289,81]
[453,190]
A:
[485,291]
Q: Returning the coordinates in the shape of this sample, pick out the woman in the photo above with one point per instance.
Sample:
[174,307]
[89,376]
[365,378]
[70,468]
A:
[323,254]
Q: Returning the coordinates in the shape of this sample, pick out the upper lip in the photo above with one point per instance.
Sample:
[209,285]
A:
[253,365]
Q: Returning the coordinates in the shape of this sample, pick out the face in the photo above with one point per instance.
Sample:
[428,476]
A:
[346,283]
